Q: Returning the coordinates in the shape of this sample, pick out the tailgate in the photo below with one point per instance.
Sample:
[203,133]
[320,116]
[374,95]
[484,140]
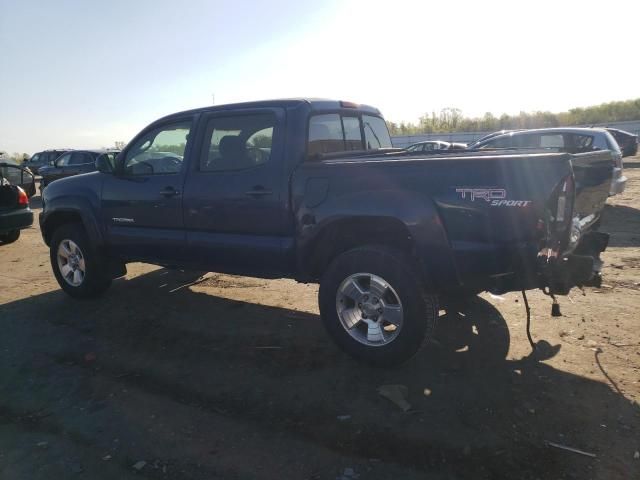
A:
[593,172]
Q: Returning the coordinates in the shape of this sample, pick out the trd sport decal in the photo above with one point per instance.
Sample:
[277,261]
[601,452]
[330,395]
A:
[496,197]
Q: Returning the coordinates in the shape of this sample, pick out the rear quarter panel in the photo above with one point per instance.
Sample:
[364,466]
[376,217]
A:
[426,195]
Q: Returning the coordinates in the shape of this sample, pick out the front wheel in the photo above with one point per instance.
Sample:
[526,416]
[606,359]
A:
[79,270]
[374,306]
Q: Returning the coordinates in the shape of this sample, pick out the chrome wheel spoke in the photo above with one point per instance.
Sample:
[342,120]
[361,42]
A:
[64,250]
[77,277]
[375,334]
[377,287]
[353,290]
[351,316]
[65,270]
[392,314]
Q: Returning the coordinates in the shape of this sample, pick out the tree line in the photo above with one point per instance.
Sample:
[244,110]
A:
[452,119]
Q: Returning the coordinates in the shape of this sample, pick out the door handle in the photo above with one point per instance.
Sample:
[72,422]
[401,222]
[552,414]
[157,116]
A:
[169,192]
[258,192]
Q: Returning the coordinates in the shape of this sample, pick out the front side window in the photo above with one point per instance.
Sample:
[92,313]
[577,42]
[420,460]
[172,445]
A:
[80,158]
[159,151]
[237,142]
[376,133]
[499,142]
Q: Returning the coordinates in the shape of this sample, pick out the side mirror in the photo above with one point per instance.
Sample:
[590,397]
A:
[103,165]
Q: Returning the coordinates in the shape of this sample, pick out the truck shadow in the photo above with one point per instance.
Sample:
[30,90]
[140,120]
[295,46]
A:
[474,412]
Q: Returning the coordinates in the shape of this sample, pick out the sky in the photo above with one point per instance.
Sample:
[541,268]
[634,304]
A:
[88,73]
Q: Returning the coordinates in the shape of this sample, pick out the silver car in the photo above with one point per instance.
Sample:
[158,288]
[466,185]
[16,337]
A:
[578,141]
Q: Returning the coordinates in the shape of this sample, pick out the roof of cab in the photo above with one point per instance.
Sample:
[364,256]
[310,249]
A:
[314,104]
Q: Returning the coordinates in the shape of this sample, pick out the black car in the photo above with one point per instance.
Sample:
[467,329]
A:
[14,203]
[20,176]
[74,162]
[628,142]
[40,159]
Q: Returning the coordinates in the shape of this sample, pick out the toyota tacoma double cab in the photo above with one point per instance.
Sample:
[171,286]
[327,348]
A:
[313,190]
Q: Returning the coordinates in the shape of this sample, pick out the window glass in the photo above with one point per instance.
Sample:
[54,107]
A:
[352,135]
[80,158]
[526,141]
[376,134]
[499,142]
[110,157]
[552,141]
[35,158]
[415,148]
[325,134]
[237,142]
[159,151]
[63,161]
[582,143]
[428,146]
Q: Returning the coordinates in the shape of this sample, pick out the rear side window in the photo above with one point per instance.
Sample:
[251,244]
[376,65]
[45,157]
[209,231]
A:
[582,143]
[555,140]
[237,142]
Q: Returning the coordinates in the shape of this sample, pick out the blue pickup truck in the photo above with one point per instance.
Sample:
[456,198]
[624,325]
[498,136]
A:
[313,190]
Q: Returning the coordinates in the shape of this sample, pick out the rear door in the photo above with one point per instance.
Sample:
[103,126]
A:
[236,198]
[142,202]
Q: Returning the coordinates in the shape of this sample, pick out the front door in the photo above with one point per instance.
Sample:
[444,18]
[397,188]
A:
[142,202]
[81,162]
[235,203]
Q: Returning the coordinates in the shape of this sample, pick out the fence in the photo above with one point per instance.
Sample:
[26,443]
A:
[468,137]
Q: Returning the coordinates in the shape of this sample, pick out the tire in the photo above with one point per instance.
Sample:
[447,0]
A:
[394,286]
[95,279]
[10,237]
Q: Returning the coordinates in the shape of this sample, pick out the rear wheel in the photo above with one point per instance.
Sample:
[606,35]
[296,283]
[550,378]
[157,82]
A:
[374,306]
[79,270]
[10,237]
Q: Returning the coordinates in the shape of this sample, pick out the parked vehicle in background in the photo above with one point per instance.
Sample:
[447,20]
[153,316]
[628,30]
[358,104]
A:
[627,141]
[15,213]
[40,159]
[435,146]
[72,163]
[593,144]
[18,175]
[489,136]
[313,190]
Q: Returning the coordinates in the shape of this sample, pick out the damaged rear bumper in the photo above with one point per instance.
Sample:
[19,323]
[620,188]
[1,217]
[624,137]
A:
[580,268]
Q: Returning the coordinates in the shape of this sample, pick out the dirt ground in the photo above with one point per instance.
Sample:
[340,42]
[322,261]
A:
[234,378]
